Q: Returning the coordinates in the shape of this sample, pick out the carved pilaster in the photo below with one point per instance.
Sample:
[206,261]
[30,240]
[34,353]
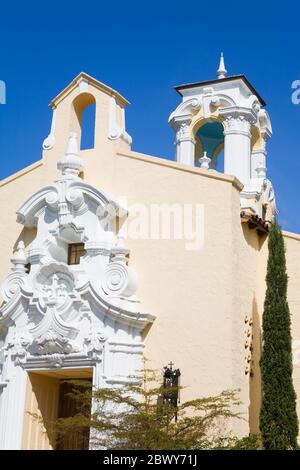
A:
[237,123]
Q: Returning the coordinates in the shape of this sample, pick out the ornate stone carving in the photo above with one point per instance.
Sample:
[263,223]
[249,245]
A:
[52,343]
[119,280]
[55,281]
[237,124]
[54,302]
[238,119]
[95,342]
[56,360]
[13,282]
[11,285]
[59,315]
[265,124]
[18,346]
[183,132]
[269,197]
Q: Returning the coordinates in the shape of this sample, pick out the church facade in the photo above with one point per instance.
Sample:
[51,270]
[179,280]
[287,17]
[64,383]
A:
[109,254]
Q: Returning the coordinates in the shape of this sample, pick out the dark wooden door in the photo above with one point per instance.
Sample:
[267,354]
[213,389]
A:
[77,438]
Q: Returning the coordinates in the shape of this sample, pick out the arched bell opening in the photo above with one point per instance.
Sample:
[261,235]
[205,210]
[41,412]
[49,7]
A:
[83,119]
[209,139]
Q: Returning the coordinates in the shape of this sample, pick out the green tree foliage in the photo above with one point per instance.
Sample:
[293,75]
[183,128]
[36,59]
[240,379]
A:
[278,418]
[135,417]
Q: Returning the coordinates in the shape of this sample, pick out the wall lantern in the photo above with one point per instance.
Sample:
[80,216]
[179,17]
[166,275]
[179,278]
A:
[171,385]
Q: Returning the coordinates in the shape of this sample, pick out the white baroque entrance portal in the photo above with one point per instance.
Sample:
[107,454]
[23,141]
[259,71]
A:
[70,308]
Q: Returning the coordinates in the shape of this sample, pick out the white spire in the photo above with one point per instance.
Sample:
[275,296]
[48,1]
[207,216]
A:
[221,70]
[71,163]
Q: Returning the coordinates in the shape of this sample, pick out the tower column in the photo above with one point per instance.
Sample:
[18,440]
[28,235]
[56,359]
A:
[258,157]
[185,144]
[258,163]
[237,143]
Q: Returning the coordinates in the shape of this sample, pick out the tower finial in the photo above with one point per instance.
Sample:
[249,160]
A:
[221,70]
[71,163]
[204,161]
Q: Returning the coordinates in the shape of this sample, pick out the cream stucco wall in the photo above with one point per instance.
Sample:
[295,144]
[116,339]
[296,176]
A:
[41,408]
[292,243]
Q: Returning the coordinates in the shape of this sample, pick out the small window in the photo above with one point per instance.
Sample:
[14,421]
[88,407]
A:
[28,267]
[76,251]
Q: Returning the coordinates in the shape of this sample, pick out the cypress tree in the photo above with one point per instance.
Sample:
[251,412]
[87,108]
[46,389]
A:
[278,417]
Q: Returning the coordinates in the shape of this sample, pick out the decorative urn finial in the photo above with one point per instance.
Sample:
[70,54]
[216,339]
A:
[71,163]
[204,161]
[222,70]
[19,259]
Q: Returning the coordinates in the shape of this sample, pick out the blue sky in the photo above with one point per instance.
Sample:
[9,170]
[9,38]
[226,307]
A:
[143,50]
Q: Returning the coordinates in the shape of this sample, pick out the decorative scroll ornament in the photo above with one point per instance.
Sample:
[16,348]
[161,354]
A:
[15,279]
[116,131]
[269,197]
[12,284]
[119,279]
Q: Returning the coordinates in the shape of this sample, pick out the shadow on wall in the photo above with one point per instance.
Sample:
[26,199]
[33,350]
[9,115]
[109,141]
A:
[27,235]
[41,409]
[256,241]
[255,375]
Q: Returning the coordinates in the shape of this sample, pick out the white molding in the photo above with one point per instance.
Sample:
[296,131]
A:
[49,142]
[116,130]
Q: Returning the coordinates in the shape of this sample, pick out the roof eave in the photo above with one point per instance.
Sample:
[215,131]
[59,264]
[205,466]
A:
[220,80]
[91,80]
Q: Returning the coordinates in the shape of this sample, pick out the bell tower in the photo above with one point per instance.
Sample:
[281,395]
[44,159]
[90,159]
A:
[224,116]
